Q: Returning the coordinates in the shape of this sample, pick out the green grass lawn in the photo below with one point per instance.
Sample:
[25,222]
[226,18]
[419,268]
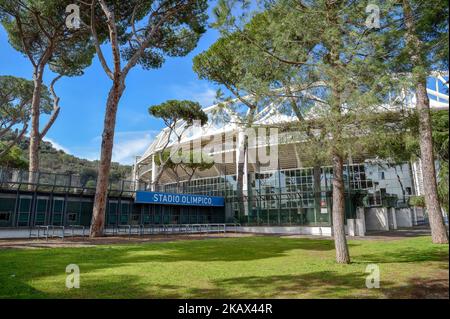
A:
[246,267]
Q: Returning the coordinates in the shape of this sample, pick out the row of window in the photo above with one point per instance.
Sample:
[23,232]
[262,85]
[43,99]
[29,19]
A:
[26,211]
[376,180]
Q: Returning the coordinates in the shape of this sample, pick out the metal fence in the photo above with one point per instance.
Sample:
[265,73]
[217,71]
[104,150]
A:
[62,232]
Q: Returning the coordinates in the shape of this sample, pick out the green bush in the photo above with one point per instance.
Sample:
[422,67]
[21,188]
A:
[418,201]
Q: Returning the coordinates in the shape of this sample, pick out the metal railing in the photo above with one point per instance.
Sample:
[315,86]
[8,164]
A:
[53,231]
[72,230]
[47,231]
[153,229]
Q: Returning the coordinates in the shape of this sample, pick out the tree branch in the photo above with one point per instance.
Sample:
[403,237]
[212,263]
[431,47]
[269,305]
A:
[55,111]
[24,45]
[282,60]
[98,49]
[110,20]
[132,62]
[133,27]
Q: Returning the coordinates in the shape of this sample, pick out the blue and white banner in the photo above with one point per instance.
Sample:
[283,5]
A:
[178,199]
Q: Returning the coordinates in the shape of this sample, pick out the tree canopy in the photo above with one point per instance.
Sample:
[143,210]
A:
[15,101]
[173,112]
[15,108]
[320,61]
[14,158]
[139,33]
[38,30]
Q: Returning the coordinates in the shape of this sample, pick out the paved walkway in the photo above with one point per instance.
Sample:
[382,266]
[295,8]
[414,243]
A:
[421,230]
[392,234]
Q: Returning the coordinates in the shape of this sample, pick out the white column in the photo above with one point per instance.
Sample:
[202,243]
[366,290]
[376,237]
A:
[136,173]
[417,177]
[414,216]
[385,212]
[360,222]
[242,157]
[394,218]
[154,168]
[383,217]
[15,176]
[351,227]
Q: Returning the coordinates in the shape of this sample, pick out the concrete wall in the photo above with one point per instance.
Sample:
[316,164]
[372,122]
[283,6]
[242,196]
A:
[419,215]
[382,218]
[392,214]
[291,230]
[376,218]
[405,217]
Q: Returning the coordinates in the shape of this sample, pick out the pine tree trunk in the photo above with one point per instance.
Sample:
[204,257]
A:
[338,211]
[240,188]
[438,231]
[101,193]
[337,88]
[241,165]
[34,134]
[240,162]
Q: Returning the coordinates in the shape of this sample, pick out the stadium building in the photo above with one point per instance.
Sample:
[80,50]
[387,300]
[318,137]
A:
[280,194]
[287,196]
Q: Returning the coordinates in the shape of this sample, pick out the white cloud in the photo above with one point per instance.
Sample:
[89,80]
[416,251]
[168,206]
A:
[195,91]
[128,145]
[56,145]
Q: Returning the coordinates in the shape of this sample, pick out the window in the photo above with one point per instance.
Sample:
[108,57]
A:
[4,216]
[71,217]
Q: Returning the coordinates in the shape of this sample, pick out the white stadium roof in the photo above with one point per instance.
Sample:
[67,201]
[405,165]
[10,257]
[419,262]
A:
[225,117]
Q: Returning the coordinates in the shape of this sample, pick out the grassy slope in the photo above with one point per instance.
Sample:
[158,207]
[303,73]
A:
[254,267]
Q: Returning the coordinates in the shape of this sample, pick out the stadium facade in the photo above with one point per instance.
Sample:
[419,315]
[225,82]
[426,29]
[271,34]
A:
[283,193]
[280,192]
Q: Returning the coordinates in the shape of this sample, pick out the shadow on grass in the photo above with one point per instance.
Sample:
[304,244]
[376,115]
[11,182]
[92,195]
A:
[19,267]
[408,255]
[321,284]
[204,251]
[111,286]
[324,284]
[421,289]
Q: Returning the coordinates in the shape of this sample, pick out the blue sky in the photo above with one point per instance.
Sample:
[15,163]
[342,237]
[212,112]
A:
[79,125]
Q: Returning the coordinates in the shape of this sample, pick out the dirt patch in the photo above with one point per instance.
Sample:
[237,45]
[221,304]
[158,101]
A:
[86,242]
[436,287]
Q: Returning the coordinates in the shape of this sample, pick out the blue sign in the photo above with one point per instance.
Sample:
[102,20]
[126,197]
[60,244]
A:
[178,199]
